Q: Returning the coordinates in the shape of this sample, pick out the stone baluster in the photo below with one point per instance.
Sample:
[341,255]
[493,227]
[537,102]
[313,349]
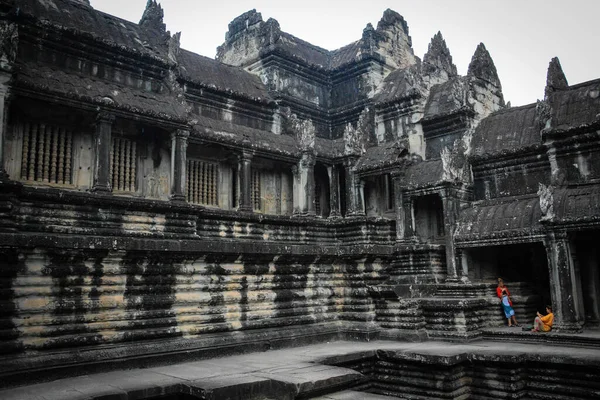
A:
[102,146]
[334,191]
[47,148]
[127,180]
[565,290]
[133,167]
[68,148]
[32,152]
[61,157]
[54,156]
[40,155]
[196,185]
[179,141]
[25,153]
[245,179]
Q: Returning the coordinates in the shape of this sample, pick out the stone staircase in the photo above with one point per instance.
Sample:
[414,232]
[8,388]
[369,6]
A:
[453,311]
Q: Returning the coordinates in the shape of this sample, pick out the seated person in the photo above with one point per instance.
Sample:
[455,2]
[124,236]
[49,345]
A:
[543,323]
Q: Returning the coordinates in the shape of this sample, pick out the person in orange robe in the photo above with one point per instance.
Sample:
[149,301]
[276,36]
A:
[543,322]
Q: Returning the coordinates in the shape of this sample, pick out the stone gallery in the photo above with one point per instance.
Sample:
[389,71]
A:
[158,206]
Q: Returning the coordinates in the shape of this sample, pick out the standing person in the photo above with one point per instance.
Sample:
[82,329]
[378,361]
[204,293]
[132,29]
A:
[504,295]
[543,322]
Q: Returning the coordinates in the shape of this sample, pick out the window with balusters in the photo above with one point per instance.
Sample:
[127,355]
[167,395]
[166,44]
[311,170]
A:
[202,182]
[123,165]
[47,154]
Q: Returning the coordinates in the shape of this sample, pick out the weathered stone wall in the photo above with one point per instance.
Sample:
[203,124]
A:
[68,297]
[510,177]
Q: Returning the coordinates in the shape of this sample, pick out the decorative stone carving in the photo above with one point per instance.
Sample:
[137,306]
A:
[544,112]
[356,139]
[546,195]
[304,131]
[454,163]
[174,47]
[307,160]
[153,15]
[9,41]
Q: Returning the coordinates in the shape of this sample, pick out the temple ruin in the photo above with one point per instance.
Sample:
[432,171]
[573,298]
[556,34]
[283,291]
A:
[160,206]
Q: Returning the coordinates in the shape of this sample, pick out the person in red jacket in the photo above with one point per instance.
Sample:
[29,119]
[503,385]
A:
[504,295]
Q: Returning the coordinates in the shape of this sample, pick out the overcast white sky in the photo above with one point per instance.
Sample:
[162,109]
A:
[521,35]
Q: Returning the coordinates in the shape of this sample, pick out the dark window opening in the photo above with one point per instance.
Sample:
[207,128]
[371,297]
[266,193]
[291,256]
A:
[429,217]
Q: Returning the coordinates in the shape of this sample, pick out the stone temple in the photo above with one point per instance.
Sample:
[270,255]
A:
[159,207]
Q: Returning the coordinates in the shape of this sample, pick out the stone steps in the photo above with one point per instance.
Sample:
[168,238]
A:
[354,395]
[588,340]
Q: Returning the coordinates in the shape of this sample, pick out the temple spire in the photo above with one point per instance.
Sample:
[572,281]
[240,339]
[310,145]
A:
[555,78]
[482,66]
[438,55]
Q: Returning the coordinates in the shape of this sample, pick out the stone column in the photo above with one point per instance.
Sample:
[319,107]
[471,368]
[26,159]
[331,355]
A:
[399,207]
[590,279]
[334,191]
[4,105]
[564,288]
[450,213]
[352,206]
[102,147]
[360,201]
[179,142]
[245,179]
[295,190]
[306,174]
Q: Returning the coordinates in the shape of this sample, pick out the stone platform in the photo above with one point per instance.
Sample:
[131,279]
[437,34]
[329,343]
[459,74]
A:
[345,370]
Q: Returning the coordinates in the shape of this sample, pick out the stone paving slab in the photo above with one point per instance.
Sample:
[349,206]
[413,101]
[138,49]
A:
[280,373]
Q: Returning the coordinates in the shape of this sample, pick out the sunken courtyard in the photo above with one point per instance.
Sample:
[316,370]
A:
[284,221]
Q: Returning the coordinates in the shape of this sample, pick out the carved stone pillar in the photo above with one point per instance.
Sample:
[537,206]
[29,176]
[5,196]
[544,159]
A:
[245,179]
[306,174]
[295,190]
[565,290]
[361,201]
[399,207]
[179,142]
[450,212]
[334,191]
[9,42]
[353,207]
[102,146]
[4,105]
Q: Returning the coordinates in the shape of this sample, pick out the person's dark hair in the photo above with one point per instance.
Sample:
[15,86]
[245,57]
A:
[549,307]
